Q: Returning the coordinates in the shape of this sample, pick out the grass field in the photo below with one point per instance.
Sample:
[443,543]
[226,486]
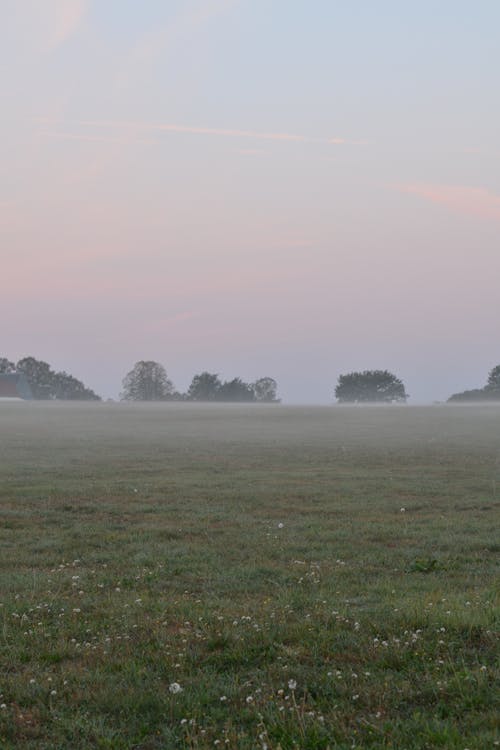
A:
[183,576]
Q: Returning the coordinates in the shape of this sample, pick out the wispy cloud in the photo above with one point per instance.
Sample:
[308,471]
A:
[67,16]
[122,141]
[141,127]
[38,27]
[228,132]
[473,201]
[152,44]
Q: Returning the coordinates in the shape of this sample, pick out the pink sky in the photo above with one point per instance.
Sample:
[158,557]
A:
[168,194]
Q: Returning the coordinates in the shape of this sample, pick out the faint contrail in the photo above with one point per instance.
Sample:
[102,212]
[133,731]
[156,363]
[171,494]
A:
[197,130]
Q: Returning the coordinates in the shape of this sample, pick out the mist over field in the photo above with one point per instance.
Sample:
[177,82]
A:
[56,428]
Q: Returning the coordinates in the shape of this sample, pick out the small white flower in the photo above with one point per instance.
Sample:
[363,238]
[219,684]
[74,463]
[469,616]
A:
[53,692]
[292,684]
[280,525]
[223,698]
[175,688]
[249,699]
[402,510]
[3,706]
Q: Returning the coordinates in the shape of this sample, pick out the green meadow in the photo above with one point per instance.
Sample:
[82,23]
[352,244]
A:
[189,576]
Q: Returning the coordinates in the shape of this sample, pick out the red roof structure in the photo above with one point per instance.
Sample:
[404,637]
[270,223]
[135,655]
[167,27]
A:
[14,385]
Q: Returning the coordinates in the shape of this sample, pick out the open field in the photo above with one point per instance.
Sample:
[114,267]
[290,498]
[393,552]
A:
[307,577]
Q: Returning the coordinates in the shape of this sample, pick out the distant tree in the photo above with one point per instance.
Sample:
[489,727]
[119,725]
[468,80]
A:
[204,387]
[47,384]
[493,384]
[147,381]
[370,386]
[39,375]
[68,388]
[490,392]
[265,390]
[6,365]
[178,396]
[235,390]
[476,394]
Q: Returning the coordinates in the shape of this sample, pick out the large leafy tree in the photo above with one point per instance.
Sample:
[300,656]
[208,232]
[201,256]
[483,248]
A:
[147,381]
[370,386]
[265,390]
[204,387]
[47,384]
[39,375]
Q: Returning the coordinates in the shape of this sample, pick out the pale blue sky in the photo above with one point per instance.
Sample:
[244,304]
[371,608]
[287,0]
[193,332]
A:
[284,188]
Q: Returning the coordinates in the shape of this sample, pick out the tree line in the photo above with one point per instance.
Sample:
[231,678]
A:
[148,381]
[489,392]
[45,383]
[382,386]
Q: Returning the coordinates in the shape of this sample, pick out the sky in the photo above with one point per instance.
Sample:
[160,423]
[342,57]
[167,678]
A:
[278,188]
